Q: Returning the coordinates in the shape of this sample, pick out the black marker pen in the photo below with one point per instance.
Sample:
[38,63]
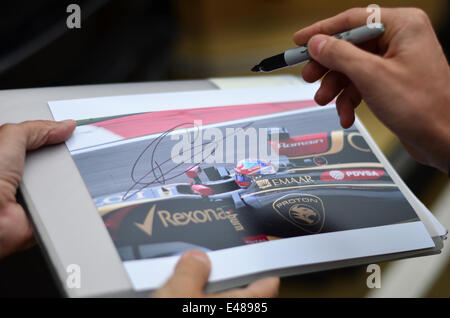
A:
[300,54]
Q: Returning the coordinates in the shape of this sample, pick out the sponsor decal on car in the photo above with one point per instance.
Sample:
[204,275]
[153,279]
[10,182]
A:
[305,211]
[352,174]
[283,181]
[302,145]
[182,218]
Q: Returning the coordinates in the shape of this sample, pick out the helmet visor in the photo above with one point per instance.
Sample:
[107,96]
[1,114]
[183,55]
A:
[242,178]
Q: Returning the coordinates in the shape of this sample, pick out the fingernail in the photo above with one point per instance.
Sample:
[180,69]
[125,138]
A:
[316,44]
[198,255]
[69,121]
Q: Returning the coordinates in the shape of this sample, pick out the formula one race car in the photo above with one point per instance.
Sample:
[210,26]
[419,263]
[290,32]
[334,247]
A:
[322,183]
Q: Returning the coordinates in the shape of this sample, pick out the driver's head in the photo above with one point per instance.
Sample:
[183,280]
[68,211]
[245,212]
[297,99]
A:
[247,167]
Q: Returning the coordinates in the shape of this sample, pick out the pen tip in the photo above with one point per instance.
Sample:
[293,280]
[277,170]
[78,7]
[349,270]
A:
[256,68]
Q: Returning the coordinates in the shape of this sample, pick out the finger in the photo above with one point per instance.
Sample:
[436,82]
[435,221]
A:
[358,65]
[40,133]
[332,84]
[15,228]
[263,288]
[346,103]
[313,71]
[189,278]
[344,21]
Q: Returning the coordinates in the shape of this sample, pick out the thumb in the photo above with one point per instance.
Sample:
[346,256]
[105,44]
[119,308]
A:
[16,139]
[344,57]
[40,133]
[189,278]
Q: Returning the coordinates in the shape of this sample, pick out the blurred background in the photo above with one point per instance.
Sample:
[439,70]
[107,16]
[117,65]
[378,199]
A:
[145,40]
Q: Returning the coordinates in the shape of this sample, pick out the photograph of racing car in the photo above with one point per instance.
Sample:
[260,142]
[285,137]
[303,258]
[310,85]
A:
[321,181]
